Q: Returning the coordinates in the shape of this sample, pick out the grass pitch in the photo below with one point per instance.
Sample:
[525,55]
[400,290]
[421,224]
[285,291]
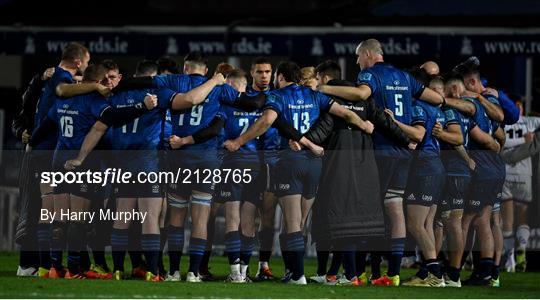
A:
[519,285]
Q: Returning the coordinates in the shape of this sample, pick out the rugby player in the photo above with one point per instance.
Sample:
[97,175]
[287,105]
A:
[391,89]
[517,192]
[298,173]
[75,117]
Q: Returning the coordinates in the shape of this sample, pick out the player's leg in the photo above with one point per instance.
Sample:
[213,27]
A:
[204,269]
[58,235]
[177,214]
[523,233]
[416,225]
[484,236]
[294,238]
[120,236]
[163,237]
[507,215]
[248,226]
[498,245]
[266,234]
[438,231]
[150,238]
[76,235]
[44,231]
[200,212]
[232,238]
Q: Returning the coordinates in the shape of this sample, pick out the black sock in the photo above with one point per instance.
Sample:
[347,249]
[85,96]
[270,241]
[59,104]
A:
[337,259]
[266,240]
[322,260]
[376,260]
[495,272]
[76,242]
[58,243]
[150,246]
[434,267]
[176,246]
[486,268]
[295,244]
[360,261]
[453,273]
[119,244]
[44,245]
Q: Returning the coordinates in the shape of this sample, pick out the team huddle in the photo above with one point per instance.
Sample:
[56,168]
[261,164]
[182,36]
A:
[364,167]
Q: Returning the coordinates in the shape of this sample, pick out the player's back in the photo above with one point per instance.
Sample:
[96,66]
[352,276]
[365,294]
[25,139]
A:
[146,131]
[47,100]
[427,115]
[75,117]
[299,106]
[454,164]
[392,89]
[236,122]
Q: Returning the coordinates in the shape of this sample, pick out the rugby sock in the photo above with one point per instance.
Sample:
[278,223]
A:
[509,242]
[360,261]
[196,251]
[486,267]
[322,260]
[44,245]
[162,241]
[135,253]
[423,269]
[295,244]
[119,244]
[434,267]
[58,243]
[523,233]
[99,259]
[232,246]
[76,243]
[135,257]
[349,266]
[376,260]
[246,249]
[337,259]
[453,273]
[266,240]
[150,247]
[476,261]
[176,245]
[394,261]
[495,272]
[211,228]
[85,261]
[284,251]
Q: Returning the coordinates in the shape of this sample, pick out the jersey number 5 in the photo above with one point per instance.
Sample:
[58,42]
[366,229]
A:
[66,122]
[399,105]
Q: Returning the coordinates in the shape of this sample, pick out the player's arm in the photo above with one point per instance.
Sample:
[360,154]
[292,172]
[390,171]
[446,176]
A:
[197,95]
[321,129]
[522,151]
[465,107]
[415,133]
[484,139]
[463,153]
[430,96]
[493,110]
[201,136]
[135,83]
[359,93]
[350,117]
[385,125]
[500,136]
[451,135]
[257,129]
[68,90]
[40,134]
[109,117]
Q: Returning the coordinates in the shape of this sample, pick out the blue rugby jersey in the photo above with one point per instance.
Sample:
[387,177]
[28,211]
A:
[393,89]
[189,121]
[236,123]
[147,131]
[46,101]
[299,106]
[454,164]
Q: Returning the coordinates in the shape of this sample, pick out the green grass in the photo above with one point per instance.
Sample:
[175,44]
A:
[519,285]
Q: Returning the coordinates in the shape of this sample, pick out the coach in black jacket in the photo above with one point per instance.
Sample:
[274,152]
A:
[348,200]
[29,193]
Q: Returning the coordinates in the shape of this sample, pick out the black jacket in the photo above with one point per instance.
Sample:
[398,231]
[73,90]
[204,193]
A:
[25,118]
[348,203]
